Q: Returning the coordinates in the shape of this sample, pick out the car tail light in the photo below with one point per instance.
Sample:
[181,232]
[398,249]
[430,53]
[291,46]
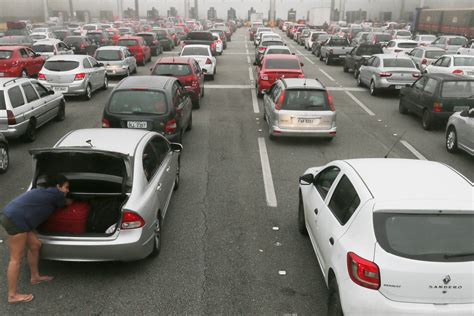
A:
[41,76]
[105,123]
[416,75]
[208,61]
[131,220]
[261,49]
[171,126]
[458,72]
[279,103]
[385,74]
[424,61]
[79,76]
[194,83]
[363,272]
[331,102]
[11,118]
[301,76]
[82,46]
[437,107]
[263,76]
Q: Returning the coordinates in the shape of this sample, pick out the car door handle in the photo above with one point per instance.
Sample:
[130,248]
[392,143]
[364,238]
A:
[158,188]
[316,211]
[331,241]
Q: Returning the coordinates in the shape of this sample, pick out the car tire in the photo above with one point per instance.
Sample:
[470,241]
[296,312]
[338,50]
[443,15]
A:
[359,80]
[24,74]
[345,68]
[321,58]
[4,158]
[372,88]
[334,307]
[328,60]
[301,218]
[452,140]
[427,120]
[401,107]
[197,104]
[156,238]
[61,112]
[30,134]
[88,93]
[190,123]
[106,83]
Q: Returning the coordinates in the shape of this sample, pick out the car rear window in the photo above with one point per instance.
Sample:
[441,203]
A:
[463,61]
[201,36]
[407,45]
[175,70]
[433,54]
[6,54]
[108,55]
[338,42]
[195,51]
[61,65]
[282,64]
[426,237]
[127,42]
[458,89]
[3,106]
[269,43]
[369,50]
[73,40]
[305,100]
[43,48]
[383,38]
[428,38]
[38,36]
[403,33]
[457,41]
[162,33]
[397,62]
[137,102]
[278,51]
[89,27]
[323,37]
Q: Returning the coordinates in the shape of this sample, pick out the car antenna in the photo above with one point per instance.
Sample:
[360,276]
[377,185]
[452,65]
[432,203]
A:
[393,146]
[90,143]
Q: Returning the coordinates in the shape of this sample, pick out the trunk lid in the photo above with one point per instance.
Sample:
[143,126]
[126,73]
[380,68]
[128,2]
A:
[60,71]
[275,75]
[402,74]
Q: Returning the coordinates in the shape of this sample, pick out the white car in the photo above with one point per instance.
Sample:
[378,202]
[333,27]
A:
[42,36]
[456,64]
[259,32]
[460,130]
[391,236]
[202,54]
[219,44]
[308,42]
[424,39]
[401,34]
[269,36]
[399,46]
[51,47]
[467,49]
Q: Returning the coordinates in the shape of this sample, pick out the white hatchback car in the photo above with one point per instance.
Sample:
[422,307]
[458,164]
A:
[202,54]
[456,64]
[399,46]
[392,236]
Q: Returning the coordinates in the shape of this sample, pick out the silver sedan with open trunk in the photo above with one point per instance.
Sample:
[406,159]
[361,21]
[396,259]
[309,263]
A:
[129,174]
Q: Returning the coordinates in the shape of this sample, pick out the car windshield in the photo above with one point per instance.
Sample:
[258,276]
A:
[108,55]
[398,63]
[278,51]
[137,102]
[305,100]
[127,42]
[269,43]
[338,42]
[434,54]
[427,38]
[407,45]
[282,64]
[195,51]
[369,50]
[38,36]
[6,54]
[200,36]
[457,41]
[426,237]
[175,70]
[323,37]
[61,65]
[43,48]
[458,89]
[464,61]
[403,33]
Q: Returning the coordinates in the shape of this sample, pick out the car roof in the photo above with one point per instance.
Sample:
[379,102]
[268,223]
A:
[175,60]
[404,41]
[281,56]
[145,82]
[297,83]
[449,77]
[48,41]
[68,57]
[196,45]
[110,47]
[396,56]
[13,47]
[409,179]
[15,80]
[277,47]
[434,48]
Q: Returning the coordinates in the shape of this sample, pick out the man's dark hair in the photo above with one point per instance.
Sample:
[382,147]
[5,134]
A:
[54,180]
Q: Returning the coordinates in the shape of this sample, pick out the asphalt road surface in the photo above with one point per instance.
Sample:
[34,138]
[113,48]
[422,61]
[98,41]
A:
[230,241]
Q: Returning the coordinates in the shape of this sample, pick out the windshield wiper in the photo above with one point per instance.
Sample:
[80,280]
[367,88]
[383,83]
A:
[457,255]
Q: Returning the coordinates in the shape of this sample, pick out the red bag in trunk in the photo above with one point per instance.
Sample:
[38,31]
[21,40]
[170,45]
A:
[71,219]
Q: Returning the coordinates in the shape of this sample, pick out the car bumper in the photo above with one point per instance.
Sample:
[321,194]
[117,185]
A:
[194,91]
[73,88]
[285,132]
[393,85]
[263,85]
[116,71]
[16,130]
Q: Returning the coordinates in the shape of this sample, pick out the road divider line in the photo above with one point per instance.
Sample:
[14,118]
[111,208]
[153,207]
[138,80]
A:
[228,86]
[296,50]
[312,62]
[267,174]
[327,75]
[251,74]
[359,103]
[248,60]
[247,51]
[256,110]
[413,150]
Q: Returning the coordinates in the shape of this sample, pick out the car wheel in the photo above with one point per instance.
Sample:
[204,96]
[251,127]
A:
[4,158]
[320,57]
[177,179]
[106,83]
[190,123]
[334,300]
[259,94]
[156,237]
[427,120]
[345,68]
[452,140]
[61,112]
[24,74]
[401,107]
[373,89]
[301,218]
[88,93]
[197,104]
[328,60]
[356,73]
[359,80]
[202,91]
[30,133]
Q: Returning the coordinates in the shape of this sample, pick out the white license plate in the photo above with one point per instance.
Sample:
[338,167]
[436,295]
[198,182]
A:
[399,86]
[60,89]
[307,121]
[460,108]
[136,124]
[1,74]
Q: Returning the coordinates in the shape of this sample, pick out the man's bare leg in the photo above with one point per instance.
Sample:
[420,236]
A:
[16,244]
[34,247]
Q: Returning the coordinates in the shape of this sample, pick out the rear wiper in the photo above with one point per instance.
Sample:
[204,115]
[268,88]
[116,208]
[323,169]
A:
[140,112]
[456,255]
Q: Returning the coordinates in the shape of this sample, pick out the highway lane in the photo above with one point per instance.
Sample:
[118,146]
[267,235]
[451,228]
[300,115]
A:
[224,247]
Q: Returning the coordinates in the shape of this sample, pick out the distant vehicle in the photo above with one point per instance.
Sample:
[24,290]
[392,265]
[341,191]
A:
[201,38]
[467,49]
[317,43]
[379,38]
[277,49]
[424,39]
[334,49]
[165,40]
[253,29]
[152,41]
[62,34]
[219,43]
[260,51]
[357,55]
[137,46]
[303,36]
[202,54]
[319,16]
[401,34]
[16,40]
[313,35]
[17,29]
[91,27]
[19,61]
[4,154]
[423,56]
[81,45]
[399,46]
[42,36]
[118,60]
[51,47]
[360,38]
[113,34]
[455,64]
[221,36]
[126,31]
[459,131]
[100,38]
[450,43]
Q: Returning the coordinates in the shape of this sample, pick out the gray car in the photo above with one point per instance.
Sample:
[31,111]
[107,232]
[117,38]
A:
[450,44]
[389,72]
[25,105]
[126,176]
[299,107]
[118,60]
[424,56]
[4,155]
[460,132]
[77,75]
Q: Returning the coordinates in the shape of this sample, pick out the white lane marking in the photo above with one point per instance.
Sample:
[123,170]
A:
[362,105]
[251,74]
[267,174]
[312,62]
[296,50]
[413,150]
[228,86]
[111,85]
[248,60]
[247,51]
[326,74]
[256,110]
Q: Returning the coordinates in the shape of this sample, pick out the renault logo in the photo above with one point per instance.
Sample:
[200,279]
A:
[447,279]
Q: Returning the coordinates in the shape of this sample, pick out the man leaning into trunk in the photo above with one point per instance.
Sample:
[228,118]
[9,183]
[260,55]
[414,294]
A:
[20,218]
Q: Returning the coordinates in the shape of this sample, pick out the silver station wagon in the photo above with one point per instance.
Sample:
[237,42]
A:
[299,107]
[126,176]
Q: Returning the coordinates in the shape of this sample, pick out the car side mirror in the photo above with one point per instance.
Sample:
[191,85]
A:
[99,65]
[301,64]
[293,54]
[307,179]
[471,112]
[204,71]
[50,92]
[177,148]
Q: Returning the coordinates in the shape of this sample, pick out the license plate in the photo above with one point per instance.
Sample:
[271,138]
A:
[460,108]
[1,74]
[137,124]
[399,86]
[307,121]
[470,73]
[60,89]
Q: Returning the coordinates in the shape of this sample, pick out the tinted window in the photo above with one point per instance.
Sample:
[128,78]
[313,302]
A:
[38,36]
[137,102]
[86,63]
[395,62]
[457,41]
[3,106]
[41,90]
[323,37]
[43,48]
[433,54]
[70,40]
[175,70]
[278,51]
[61,65]
[202,36]
[16,97]
[403,33]
[338,42]
[89,27]
[344,200]
[130,42]
[150,161]
[161,147]
[30,92]
[430,86]
[369,50]
[270,43]
[325,180]
[426,237]
[428,38]
[305,100]
[106,55]
[457,89]
[407,45]
[383,38]
[282,64]
[6,54]
[464,61]
[195,51]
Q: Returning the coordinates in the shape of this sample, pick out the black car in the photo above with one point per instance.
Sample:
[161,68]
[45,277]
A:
[100,38]
[165,39]
[4,156]
[81,45]
[358,54]
[435,97]
[155,103]
[151,40]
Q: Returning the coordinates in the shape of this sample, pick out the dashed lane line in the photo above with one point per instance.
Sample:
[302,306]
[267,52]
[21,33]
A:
[248,60]
[251,74]
[312,62]
[256,110]
[327,75]
[359,103]
[413,150]
[267,174]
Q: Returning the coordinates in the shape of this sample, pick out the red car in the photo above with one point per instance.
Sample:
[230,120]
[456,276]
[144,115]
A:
[137,46]
[274,67]
[187,71]
[19,61]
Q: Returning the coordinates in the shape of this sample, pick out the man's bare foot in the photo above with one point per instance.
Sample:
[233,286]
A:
[41,279]
[20,298]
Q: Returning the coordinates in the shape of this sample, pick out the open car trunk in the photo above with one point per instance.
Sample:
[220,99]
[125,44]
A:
[97,179]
